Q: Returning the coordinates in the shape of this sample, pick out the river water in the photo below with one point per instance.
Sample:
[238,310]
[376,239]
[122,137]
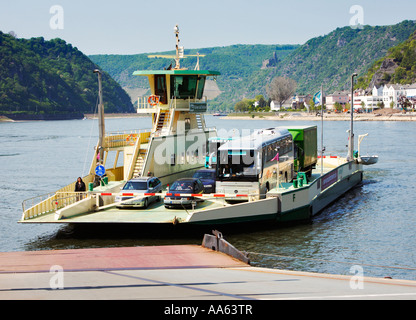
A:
[372,226]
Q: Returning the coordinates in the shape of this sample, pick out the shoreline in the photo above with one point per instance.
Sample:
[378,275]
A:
[282,117]
[290,117]
[328,117]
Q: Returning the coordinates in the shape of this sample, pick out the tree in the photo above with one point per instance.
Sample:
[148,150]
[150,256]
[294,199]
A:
[281,89]
[311,105]
[404,102]
[338,107]
[261,101]
[240,106]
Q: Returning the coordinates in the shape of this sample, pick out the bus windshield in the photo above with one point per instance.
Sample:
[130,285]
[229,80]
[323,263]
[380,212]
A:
[237,166]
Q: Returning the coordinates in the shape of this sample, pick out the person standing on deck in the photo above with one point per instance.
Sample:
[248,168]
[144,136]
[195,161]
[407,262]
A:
[79,187]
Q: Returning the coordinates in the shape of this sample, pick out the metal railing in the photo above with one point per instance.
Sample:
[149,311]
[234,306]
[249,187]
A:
[143,105]
[126,138]
[49,203]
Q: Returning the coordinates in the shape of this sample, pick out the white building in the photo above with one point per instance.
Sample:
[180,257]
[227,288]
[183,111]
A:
[388,95]
[275,106]
[378,92]
[392,92]
[367,103]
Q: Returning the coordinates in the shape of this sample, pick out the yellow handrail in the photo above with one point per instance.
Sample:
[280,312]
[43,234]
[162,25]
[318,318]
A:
[47,203]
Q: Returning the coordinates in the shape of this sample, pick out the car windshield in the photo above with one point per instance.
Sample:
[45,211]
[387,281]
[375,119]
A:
[181,186]
[204,175]
[135,185]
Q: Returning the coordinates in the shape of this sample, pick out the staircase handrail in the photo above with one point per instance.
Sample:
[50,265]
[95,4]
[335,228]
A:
[134,157]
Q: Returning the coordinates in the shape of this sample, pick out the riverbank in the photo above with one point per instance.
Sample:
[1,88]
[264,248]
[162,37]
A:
[117,115]
[328,117]
[17,117]
[290,116]
[5,119]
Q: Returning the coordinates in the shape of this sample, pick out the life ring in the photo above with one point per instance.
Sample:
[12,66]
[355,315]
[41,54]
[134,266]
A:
[131,138]
[153,100]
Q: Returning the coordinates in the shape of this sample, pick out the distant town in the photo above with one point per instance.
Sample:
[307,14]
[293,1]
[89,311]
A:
[393,96]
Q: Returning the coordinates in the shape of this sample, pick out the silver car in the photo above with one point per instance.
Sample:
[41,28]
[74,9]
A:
[139,185]
[178,193]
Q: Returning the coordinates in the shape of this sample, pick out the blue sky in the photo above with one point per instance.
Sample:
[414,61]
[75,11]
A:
[128,27]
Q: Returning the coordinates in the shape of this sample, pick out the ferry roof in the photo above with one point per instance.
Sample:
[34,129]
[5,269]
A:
[176,72]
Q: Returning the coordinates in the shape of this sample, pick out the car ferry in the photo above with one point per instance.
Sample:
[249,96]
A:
[272,174]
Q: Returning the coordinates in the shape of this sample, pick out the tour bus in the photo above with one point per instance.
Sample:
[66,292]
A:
[248,166]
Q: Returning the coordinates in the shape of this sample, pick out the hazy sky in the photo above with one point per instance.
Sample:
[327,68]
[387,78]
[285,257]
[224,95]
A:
[128,27]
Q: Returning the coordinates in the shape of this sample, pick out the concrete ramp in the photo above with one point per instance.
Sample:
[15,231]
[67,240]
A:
[186,272]
[133,258]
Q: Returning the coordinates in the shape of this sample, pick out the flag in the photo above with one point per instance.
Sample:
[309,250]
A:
[317,98]
[276,158]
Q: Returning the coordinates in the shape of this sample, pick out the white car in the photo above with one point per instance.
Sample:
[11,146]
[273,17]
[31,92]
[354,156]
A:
[139,185]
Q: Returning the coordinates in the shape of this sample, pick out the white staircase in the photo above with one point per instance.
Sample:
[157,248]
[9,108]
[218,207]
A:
[200,121]
[141,157]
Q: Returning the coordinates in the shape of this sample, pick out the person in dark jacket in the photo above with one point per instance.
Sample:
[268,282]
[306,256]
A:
[79,187]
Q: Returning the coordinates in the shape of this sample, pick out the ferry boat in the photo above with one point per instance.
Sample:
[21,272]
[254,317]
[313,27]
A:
[272,174]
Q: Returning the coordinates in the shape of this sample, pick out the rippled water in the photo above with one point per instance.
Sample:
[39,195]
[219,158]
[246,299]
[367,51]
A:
[371,226]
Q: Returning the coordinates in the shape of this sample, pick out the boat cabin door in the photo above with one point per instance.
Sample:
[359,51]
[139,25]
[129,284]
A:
[160,88]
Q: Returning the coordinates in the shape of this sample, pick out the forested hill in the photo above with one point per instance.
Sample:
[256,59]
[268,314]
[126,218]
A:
[39,77]
[246,69]
[330,60]
[238,64]
[398,66]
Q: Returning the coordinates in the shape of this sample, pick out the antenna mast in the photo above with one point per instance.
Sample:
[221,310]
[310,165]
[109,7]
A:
[179,50]
[176,30]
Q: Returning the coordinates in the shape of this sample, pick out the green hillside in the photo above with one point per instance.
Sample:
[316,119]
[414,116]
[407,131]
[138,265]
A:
[327,60]
[238,65]
[398,66]
[52,77]
[331,59]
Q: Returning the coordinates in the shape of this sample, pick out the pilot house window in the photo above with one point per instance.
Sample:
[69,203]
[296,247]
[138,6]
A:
[186,87]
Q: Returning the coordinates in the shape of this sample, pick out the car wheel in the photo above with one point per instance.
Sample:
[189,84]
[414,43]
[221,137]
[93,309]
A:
[145,203]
